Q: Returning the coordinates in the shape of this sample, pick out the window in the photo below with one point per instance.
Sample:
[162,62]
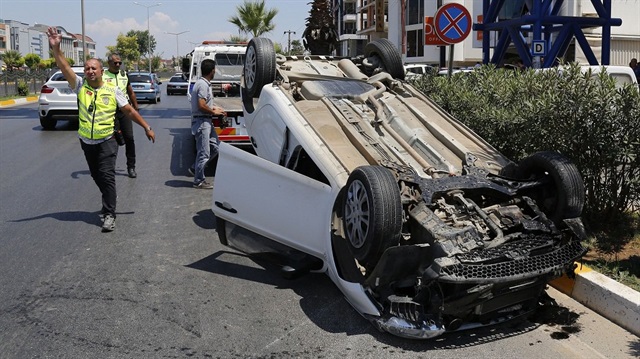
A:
[415,43]
[415,12]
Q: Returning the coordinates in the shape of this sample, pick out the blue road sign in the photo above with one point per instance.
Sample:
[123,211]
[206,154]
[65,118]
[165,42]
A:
[452,23]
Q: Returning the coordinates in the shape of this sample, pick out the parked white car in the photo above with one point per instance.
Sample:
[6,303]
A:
[423,226]
[417,70]
[57,101]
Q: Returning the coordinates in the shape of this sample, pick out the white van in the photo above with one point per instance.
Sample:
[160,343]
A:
[229,58]
[623,75]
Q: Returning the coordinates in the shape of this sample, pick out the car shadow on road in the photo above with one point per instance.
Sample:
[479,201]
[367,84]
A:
[320,300]
[205,218]
[325,306]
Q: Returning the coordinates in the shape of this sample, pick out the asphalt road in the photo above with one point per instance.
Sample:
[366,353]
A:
[161,285]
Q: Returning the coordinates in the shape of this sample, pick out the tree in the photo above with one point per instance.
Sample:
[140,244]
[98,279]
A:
[32,61]
[320,36]
[296,47]
[127,47]
[12,59]
[143,39]
[253,18]
[278,48]
[237,38]
[156,61]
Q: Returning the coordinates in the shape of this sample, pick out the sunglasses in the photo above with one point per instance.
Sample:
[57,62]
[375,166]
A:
[117,62]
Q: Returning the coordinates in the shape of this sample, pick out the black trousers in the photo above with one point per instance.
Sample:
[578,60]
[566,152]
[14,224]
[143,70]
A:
[126,126]
[101,159]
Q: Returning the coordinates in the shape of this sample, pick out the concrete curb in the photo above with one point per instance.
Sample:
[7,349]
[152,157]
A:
[612,300]
[18,101]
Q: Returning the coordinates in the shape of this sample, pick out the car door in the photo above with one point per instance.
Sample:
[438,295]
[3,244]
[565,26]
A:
[273,201]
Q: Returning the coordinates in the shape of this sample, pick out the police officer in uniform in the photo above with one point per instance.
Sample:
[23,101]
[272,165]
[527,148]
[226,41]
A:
[115,76]
[97,105]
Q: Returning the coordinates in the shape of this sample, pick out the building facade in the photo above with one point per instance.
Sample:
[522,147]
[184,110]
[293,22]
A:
[403,22]
[27,39]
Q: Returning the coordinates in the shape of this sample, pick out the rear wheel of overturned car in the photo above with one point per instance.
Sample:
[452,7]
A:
[372,213]
[388,55]
[259,66]
[48,123]
[564,196]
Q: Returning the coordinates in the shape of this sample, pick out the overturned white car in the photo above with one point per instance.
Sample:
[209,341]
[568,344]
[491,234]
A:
[423,226]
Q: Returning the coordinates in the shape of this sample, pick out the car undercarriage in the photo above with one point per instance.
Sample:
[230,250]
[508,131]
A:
[438,229]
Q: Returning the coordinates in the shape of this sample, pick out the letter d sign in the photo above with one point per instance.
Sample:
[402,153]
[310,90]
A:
[538,48]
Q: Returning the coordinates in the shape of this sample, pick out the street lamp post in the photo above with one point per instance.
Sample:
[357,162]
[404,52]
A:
[148,28]
[177,46]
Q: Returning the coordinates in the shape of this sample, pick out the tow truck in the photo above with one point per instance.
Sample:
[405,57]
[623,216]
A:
[229,58]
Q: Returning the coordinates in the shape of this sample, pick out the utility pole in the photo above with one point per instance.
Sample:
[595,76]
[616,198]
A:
[289,44]
[148,28]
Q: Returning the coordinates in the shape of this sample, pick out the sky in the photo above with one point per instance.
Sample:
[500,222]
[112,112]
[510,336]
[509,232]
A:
[203,19]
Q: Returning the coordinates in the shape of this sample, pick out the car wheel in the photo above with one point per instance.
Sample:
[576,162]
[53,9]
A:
[154,100]
[388,57]
[259,66]
[48,123]
[221,228]
[372,213]
[564,197]
[159,98]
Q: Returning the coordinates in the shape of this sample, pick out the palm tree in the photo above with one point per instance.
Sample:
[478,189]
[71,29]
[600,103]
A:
[320,36]
[253,18]
[12,59]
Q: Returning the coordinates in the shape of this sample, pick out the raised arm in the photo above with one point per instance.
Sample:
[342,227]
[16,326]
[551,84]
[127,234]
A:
[61,61]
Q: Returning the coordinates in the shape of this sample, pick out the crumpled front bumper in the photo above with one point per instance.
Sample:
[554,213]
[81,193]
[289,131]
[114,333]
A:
[406,329]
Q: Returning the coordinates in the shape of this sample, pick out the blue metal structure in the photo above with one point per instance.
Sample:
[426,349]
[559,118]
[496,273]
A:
[547,25]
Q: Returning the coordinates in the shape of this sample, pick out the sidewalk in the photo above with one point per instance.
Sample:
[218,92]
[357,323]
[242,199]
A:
[612,300]
[18,101]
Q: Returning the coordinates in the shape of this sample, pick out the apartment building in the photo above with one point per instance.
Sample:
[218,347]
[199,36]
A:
[26,39]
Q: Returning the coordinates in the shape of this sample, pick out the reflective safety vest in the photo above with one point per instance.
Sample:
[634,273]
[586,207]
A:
[96,111]
[120,80]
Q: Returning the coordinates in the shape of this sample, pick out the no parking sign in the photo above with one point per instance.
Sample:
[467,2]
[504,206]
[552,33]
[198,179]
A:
[452,23]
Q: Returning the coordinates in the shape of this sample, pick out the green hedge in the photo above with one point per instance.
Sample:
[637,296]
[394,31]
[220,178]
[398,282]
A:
[584,117]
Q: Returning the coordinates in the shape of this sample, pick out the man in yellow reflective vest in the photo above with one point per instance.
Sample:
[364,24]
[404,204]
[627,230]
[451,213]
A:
[97,104]
[120,79]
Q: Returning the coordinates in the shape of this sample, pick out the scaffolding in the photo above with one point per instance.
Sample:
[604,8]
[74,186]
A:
[552,32]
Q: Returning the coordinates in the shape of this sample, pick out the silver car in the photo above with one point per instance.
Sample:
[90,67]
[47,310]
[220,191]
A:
[146,86]
[57,100]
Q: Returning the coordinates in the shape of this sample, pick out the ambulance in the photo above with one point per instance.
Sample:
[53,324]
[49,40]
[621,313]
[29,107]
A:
[229,58]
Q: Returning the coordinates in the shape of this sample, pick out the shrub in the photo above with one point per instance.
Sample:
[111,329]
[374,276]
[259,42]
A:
[23,88]
[584,117]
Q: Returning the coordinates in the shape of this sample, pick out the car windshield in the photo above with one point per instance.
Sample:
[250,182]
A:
[59,76]
[177,79]
[139,78]
[229,67]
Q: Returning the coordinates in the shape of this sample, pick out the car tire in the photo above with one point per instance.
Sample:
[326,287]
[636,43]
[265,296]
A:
[48,123]
[388,55]
[565,196]
[221,228]
[372,213]
[154,100]
[260,65]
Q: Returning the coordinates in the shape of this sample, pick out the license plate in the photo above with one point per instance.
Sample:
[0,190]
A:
[66,91]
[137,87]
